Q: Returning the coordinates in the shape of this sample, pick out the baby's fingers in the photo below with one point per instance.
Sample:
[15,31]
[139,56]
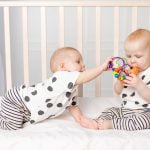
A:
[128,78]
[126,81]
[132,75]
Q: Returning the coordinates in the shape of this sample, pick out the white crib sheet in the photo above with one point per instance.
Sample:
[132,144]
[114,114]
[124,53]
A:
[64,134]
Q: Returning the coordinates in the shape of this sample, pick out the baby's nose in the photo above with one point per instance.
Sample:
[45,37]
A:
[132,60]
[83,67]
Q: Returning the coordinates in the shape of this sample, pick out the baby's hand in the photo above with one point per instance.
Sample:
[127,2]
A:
[88,123]
[105,65]
[132,80]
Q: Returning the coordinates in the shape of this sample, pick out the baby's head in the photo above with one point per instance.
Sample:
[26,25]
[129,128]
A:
[66,59]
[137,49]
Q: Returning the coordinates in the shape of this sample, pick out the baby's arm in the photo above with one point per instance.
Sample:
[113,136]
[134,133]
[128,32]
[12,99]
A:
[82,120]
[118,86]
[91,74]
[75,112]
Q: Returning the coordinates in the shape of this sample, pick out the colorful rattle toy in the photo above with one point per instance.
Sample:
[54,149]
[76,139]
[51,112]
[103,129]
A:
[121,69]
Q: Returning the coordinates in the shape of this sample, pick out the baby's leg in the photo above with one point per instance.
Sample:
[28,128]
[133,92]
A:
[11,114]
[133,120]
[104,121]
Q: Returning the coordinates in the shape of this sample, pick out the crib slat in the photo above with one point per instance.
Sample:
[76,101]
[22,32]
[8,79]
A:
[116,34]
[116,31]
[7,48]
[61,26]
[79,39]
[25,46]
[43,43]
[98,47]
[79,28]
[134,18]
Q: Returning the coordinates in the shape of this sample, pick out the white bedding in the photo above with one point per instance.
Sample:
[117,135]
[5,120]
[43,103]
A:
[64,134]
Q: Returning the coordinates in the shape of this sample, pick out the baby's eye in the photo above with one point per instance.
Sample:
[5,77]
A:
[128,56]
[138,56]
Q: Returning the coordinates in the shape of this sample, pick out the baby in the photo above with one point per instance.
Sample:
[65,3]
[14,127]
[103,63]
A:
[51,97]
[134,114]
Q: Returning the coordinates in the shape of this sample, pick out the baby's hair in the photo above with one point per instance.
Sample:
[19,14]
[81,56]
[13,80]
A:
[139,34]
[58,54]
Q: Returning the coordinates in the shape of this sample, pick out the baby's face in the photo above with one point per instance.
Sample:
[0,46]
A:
[138,54]
[74,62]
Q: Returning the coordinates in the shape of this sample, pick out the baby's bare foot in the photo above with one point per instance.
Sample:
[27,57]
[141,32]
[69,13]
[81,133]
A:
[104,124]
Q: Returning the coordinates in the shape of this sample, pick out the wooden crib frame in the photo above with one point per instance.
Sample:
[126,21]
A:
[62,4]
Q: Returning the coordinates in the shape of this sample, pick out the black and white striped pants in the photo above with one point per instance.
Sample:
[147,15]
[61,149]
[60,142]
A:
[127,119]
[13,112]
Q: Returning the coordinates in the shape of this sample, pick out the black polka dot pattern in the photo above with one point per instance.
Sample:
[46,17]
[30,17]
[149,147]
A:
[34,92]
[133,94]
[73,103]
[59,105]
[49,88]
[124,102]
[143,77]
[145,105]
[148,83]
[54,79]
[73,98]
[32,85]
[136,102]
[124,95]
[70,85]
[47,100]
[68,94]
[23,86]
[27,98]
[49,105]
[40,112]
[32,121]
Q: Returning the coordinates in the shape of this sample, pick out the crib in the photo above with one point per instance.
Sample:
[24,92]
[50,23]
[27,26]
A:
[62,132]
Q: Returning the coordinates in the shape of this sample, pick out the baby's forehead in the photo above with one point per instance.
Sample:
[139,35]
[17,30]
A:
[72,53]
[65,54]
[137,51]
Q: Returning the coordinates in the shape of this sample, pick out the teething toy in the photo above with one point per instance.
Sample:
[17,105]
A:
[121,69]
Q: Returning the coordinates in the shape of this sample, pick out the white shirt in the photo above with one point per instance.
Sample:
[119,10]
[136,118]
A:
[130,97]
[51,97]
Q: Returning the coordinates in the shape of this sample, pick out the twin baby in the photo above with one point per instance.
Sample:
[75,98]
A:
[53,96]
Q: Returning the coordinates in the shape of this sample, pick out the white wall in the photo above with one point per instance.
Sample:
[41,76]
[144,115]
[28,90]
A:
[70,40]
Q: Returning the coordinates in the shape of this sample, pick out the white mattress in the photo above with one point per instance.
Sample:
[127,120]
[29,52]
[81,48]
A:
[65,134]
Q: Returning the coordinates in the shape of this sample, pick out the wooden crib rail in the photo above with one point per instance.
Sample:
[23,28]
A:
[77,3]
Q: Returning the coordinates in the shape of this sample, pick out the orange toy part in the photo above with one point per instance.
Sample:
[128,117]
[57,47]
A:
[135,70]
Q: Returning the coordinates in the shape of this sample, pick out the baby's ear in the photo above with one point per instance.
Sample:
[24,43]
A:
[62,66]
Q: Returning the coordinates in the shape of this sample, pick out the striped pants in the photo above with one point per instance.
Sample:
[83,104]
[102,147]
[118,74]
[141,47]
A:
[127,119]
[13,112]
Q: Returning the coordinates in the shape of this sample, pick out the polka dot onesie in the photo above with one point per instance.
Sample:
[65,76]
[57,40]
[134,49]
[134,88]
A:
[130,97]
[51,97]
